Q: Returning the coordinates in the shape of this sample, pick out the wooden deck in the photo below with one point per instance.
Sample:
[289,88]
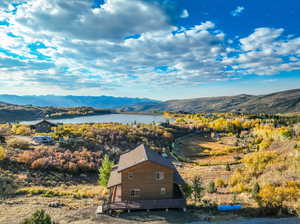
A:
[147,204]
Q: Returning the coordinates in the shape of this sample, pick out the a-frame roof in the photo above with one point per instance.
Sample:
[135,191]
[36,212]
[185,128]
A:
[142,154]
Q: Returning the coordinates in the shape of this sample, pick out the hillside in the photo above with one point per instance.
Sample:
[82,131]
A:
[12,113]
[106,102]
[280,102]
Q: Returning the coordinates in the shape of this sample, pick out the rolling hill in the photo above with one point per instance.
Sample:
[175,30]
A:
[279,102]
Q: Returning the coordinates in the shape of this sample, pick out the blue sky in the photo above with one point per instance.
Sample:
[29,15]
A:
[161,49]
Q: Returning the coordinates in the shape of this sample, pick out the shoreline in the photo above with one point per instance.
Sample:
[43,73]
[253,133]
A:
[88,115]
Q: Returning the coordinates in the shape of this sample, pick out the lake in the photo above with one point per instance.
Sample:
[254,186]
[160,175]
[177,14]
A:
[119,118]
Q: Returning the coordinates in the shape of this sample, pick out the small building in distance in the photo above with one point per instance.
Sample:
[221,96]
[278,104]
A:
[144,179]
[43,127]
[46,140]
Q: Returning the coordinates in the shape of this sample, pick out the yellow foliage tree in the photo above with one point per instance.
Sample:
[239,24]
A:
[2,153]
[276,196]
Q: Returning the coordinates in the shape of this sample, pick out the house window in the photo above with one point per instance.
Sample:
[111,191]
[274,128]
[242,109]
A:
[160,175]
[135,193]
[130,175]
[163,191]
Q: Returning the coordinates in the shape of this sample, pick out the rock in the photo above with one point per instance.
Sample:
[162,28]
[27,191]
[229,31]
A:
[56,205]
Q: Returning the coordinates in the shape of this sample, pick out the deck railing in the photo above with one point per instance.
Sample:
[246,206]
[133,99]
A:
[148,204]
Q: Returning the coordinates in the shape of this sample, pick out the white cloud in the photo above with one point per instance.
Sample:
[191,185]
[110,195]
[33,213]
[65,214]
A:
[238,11]
[115,20]
[261,38]
[185,14]
[266,52]
[87,48]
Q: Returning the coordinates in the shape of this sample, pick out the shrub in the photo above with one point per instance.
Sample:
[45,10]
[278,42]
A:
[78,191]
[228,167]
[256,162]
[275,196]
[7,186]
[188,190]
[105,170]
[39,217]
[219,182]
[18,143]
[288,133]
[19,129]
[44,157]
[239,188]
[265,144]
[211,187]
[2,153]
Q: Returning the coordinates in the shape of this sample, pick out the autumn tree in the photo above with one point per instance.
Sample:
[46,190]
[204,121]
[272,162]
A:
[2,153]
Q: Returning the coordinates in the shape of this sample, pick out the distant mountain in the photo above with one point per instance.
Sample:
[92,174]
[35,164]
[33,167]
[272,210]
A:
[106,102]
[280,102]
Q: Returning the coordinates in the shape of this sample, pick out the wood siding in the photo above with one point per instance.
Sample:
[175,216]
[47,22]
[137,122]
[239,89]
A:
[144,178]
[115,194]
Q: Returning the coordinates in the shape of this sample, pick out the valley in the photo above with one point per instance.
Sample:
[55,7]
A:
[230,150]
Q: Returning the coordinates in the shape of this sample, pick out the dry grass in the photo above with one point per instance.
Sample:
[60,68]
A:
[208,166]
[78,191]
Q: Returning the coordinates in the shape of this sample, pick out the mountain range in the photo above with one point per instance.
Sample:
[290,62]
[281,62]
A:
[279,102]
[105,102]
[14,108]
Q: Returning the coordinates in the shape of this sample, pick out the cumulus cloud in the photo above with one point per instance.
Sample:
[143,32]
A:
[125,43]
[113,21]
[238,11]
[266,52]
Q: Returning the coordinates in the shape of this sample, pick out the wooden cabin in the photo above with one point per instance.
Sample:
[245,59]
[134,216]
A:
[43,127]
[143,179]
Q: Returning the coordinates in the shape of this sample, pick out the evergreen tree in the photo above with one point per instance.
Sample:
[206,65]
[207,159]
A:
[197,189]
[228,167]
[39,217]
[105,170]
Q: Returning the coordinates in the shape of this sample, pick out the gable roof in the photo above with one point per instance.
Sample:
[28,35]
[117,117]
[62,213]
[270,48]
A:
[44,121]
[142,154]
[114,179]
[137,156]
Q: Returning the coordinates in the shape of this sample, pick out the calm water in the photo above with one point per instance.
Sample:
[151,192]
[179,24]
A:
[120,118]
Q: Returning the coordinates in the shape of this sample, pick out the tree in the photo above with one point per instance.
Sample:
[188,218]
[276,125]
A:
[105,170]
[188,190]
[39,217]
[2,153]
[211,187]
[197,189]
[228,167]
[255,189]
[254,192]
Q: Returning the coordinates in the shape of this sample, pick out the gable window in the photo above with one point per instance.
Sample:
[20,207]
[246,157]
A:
[130,175]
[163,191]
[160,175]
[135,193]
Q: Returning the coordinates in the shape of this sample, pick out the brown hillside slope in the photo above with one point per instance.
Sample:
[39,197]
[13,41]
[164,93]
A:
[280,102]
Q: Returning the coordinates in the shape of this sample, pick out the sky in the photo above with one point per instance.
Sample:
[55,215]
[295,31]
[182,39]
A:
[160,49]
